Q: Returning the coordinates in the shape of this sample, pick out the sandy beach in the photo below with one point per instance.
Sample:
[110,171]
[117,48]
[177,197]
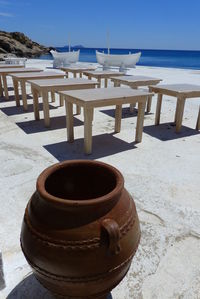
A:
[162,174]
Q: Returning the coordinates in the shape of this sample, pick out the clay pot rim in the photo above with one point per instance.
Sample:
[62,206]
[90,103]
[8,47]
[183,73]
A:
[40,185]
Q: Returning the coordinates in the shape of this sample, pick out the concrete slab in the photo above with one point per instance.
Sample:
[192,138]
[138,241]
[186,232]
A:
[162,173]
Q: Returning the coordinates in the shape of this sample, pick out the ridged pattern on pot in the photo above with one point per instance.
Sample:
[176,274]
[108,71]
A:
[77,245]
[85,279]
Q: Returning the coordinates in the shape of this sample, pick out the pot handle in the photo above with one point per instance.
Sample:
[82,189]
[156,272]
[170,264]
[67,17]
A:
[112,228]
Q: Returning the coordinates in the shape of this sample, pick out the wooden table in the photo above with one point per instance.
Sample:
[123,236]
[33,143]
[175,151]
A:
[22,78]
[102,75]
[181,92]
[3,65]
[54,85]
[15,60]
[4,72]
[77,69]
[135,82]
[90,99]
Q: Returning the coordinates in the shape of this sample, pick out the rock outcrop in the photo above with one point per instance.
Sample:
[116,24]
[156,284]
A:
[18,44]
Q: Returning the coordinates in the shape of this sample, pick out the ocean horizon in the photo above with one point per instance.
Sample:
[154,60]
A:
[184,59]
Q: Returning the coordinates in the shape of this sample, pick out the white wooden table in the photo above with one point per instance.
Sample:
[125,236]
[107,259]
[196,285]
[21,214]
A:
[3,65]
[77,69]
[90,99]
[54,85]
[4,72]
[22,79]
[181,92]
[16,60]
[99,75]
[135,82]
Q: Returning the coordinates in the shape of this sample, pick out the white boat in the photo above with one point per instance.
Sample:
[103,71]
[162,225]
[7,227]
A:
[64,58]
[122,61]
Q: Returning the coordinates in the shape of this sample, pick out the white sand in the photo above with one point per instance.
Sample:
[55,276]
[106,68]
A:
[162,173]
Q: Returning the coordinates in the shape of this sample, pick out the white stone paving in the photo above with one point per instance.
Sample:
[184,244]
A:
[162,173]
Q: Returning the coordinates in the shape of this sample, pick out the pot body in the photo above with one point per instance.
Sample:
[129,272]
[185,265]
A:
[80,248]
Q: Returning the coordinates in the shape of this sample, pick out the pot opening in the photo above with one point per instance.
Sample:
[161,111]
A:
[81,182]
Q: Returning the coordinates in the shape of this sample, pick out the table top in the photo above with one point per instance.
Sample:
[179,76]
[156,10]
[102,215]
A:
[15,58]
[136,79]
[177,90]
[18,70]
[4,65]
[103,73]
[61,82]
[105,96]
[78,68]
[37,75]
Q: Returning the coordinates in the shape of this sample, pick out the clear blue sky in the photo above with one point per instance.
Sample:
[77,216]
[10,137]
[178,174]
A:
[145,24]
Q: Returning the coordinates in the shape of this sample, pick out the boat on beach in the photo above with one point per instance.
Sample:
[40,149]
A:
[64,58]
[122,61]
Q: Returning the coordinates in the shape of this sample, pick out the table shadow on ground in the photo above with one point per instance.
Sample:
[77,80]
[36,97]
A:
[30,288]
[12,99]
[14,110]
[126,113]
[10,88]
[167,131]
[102,146]
[36,126]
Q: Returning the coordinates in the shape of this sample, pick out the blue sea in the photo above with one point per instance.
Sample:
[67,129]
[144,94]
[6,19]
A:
[158,58]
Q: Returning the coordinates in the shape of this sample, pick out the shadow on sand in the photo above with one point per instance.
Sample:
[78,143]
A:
[126,113]
[167,131]
[30,288]
[103,145]
[11,99]
[58,122]
[14,110]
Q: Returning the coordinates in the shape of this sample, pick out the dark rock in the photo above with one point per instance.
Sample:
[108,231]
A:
[18,44]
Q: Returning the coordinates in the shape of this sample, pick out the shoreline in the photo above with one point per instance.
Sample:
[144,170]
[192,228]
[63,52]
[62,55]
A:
[137,66]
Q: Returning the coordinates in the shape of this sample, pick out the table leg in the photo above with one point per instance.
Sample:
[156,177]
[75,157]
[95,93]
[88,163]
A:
[149,104]
[16,90]
[116,84]
[46,108]
[140,121]
[99,82]
[35,104]
[88,116]
[175,117]
[118,117]
[106,83]
[53,96]
[158,109]
[179,116]
[78,109]
[132,106]
[81,75]
[61,100]
[67,75]
[5,87]
[1,88]
[24,98]
[198,121]
[74,75]
[69,121]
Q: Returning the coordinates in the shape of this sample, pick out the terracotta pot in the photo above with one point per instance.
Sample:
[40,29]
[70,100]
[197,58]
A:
[80,229]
